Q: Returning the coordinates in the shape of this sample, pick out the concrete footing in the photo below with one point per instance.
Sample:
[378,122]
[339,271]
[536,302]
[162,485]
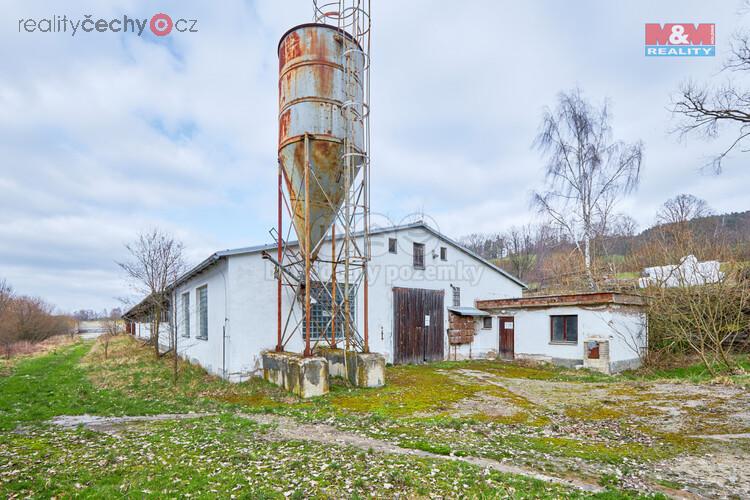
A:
[305,377]
[360,369]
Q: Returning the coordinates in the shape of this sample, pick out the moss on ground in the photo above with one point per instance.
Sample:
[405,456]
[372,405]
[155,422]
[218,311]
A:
[226,456]
[416,409]
[409,389]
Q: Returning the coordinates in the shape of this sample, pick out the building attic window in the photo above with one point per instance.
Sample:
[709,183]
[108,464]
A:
[418,256]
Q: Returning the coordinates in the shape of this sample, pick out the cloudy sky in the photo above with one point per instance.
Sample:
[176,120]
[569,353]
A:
[104,134]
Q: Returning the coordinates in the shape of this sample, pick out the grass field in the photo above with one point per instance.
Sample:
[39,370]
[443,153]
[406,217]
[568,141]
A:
[464,422]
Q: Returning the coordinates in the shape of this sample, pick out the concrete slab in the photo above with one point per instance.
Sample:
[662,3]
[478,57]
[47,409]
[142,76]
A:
[360,369]
[305,377]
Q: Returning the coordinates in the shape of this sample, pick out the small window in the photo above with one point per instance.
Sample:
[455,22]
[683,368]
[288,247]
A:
[392,245]
[418,256]
[456,296]
[186,314]
[564,328]
[202,294]
[443,253]
[487,322]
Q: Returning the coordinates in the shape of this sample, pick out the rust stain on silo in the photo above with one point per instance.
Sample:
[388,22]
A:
[284,124]
[290,49]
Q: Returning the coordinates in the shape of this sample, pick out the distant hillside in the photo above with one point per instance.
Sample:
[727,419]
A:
[539,255]
[734,227]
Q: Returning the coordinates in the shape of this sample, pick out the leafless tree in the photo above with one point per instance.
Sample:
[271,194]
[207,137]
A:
[8,329]
[33,317]
[489,246]
[682,208]
[586,171]
[703,109]
[632,334]
[706,319]
[156,261]
[113,326]
[521,251]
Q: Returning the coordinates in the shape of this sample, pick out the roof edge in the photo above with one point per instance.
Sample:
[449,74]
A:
[562,300]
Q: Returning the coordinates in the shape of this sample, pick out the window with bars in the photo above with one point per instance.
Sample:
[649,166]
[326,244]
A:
[186,314]
[392,245]
[202,296]
[320,310]
[418,255]
[564,328]
[456,296]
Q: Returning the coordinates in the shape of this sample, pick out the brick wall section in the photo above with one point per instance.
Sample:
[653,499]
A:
[460,329]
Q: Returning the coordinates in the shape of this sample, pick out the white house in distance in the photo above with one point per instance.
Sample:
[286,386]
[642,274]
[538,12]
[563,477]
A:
[689,272]
[224,309]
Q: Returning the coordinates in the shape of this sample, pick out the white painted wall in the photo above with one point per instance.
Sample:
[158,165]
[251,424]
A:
[242,299]
[208,352]
[475,278]
[623,326]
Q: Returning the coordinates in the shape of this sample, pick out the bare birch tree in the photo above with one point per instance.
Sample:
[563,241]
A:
[156,261]
[586,172]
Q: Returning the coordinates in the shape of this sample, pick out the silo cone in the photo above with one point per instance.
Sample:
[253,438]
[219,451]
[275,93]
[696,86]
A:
[312,95]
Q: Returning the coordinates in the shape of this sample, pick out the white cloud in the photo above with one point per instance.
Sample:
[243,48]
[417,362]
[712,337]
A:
[102,135]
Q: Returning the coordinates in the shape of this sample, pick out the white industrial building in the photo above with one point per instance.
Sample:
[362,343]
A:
[224,309]
[430,299]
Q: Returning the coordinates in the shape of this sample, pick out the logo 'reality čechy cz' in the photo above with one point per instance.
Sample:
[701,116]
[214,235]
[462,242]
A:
[160,24]
[681,39]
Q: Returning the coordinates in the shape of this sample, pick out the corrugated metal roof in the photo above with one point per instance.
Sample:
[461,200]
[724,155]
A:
[382,230]
[468,311]
[217,256]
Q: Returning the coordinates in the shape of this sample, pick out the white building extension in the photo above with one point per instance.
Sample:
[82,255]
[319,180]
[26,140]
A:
[688,272]
[603,331]
[224,309]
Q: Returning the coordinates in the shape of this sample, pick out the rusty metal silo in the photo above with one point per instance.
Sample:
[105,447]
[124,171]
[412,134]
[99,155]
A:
[323,178]
[320,88]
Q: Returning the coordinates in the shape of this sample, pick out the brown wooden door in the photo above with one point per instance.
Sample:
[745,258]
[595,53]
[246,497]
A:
[507,341]
[418,325]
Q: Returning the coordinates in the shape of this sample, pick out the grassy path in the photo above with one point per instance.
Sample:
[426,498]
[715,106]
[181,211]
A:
[224,455]
[54,384]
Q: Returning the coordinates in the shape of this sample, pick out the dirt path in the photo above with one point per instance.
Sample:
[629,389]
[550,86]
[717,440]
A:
[285,428]
[111,425]
[724,437]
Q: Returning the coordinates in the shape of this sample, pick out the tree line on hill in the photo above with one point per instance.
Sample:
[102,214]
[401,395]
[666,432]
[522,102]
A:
[546,258]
